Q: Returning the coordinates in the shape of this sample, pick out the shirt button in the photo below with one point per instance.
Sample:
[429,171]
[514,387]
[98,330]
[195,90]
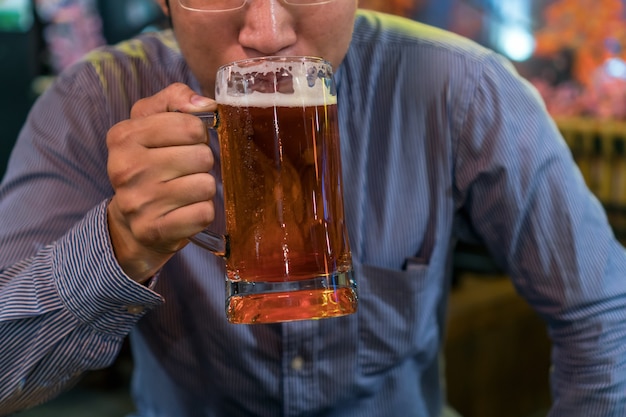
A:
[134,309]
[297,363]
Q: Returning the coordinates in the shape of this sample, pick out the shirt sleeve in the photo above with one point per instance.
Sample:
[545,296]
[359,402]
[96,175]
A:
[64,311]
[65,303]
[527,201]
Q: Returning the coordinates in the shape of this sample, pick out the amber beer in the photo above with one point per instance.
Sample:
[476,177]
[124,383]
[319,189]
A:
[289,256]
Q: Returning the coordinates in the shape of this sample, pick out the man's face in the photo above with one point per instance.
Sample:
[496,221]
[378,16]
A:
[260,28]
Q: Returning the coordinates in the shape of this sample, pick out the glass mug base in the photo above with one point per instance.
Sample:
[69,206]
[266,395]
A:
[272,302]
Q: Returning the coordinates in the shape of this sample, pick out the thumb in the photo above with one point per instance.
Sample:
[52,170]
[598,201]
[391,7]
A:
[176,97]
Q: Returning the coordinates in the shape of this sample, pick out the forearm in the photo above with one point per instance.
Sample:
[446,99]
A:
[46,355]
[62,312]
[589,372]
[528,202]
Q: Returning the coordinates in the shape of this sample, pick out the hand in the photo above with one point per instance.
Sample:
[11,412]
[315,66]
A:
[158,166]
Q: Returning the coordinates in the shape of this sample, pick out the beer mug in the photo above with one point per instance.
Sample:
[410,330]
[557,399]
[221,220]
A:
[286,246]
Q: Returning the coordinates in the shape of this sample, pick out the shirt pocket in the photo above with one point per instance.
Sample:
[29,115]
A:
[398,315]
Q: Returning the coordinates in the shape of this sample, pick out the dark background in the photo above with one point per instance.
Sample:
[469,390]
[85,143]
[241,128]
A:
[23,60]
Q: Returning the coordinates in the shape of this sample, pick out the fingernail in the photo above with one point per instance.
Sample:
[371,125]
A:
[200,101]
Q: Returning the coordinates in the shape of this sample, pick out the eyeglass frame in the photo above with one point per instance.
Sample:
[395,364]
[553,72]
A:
[244,2]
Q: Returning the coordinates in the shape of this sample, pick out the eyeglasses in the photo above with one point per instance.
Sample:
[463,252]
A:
[212,6]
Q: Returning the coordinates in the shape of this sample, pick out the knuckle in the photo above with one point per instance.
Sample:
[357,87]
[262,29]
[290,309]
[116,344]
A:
[177,87]
[122,174]
[137,110]
[130,204]
[116,136]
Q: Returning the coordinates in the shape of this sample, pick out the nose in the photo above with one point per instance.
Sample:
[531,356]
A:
[268,27]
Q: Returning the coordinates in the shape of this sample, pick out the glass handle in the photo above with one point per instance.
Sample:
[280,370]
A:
[213,242]
[211,119]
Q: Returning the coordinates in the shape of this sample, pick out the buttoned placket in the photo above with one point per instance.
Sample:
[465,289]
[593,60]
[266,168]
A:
[299,371]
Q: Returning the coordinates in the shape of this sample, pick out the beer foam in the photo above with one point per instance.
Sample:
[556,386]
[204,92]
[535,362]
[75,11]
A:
[277,83]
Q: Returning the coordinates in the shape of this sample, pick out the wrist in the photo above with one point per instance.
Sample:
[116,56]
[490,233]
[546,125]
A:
[137,261]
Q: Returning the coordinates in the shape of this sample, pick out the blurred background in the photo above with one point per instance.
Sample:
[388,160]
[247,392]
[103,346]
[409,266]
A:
[39,38]
[497,355]
[572,50]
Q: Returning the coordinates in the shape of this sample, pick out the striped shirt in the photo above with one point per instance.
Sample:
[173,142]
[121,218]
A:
[441,141]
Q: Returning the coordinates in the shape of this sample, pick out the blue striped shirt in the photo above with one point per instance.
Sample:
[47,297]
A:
[441,141]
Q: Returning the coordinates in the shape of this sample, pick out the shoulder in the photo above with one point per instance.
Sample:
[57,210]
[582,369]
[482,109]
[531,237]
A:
[113,77]
[390,35]
[147,62]
[123,73]
[425,59]
[156,52]
[146,46]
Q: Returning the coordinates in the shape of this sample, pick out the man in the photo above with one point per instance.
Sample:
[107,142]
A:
[441,140]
